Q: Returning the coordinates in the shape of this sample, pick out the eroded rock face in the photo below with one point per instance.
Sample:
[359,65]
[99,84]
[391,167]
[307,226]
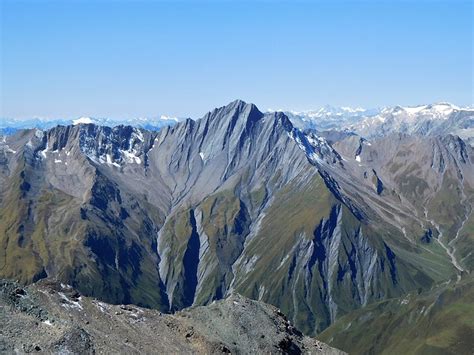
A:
[52,317]
[238,201]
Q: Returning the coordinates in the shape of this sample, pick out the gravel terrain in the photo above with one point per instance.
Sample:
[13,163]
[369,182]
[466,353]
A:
[49,317]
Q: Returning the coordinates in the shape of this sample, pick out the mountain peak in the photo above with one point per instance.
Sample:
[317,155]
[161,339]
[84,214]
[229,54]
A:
[237,109]
[83,120]
[238,102]
[242,106]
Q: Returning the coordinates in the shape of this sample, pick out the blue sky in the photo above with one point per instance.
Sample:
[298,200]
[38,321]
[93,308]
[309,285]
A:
[182,58]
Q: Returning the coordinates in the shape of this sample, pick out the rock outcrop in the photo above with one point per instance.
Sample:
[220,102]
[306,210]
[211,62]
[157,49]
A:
[50,317]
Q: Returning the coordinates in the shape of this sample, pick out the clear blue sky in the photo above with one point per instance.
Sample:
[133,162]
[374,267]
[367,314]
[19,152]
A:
[143,58]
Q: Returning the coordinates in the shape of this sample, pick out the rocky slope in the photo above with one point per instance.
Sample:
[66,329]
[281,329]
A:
[50,317]
[238,201]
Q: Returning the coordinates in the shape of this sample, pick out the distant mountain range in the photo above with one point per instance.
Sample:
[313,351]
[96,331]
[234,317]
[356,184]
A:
[324,222]
[434,119]
[9,126]
[439,118]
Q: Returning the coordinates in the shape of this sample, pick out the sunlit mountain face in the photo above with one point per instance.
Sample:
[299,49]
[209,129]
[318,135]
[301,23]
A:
[319,221]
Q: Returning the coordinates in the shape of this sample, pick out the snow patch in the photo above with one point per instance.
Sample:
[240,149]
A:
[103,307]
[111,162]
[139,135]
[82,120]
[131,156]
[71,304]
[414,110]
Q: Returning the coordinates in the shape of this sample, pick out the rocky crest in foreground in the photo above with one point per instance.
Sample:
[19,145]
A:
[54,318]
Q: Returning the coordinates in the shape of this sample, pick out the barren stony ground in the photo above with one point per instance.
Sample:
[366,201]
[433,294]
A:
[50,317]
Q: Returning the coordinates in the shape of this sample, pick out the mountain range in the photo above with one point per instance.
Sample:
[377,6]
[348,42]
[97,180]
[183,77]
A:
[9,126]
[437,118]
[330,219]
[434,119]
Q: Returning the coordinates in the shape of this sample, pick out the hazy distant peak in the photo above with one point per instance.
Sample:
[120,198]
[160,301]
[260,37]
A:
[82,120]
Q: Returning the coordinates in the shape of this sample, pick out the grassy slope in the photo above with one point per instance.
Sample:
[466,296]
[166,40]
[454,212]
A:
[45,235]
[36,233]
[439,321]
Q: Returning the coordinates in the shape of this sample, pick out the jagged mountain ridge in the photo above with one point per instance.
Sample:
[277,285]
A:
[236,201]
[433,119]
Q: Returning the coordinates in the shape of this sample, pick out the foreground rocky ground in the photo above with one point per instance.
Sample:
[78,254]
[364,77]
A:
[53,318]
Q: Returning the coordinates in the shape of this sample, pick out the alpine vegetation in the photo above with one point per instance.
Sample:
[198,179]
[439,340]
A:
[347,220]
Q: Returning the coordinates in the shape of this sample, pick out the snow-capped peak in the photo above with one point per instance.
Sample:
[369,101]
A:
[82,120]
[439,110]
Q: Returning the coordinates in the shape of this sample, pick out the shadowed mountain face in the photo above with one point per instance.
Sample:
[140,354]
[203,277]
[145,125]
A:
[236,201]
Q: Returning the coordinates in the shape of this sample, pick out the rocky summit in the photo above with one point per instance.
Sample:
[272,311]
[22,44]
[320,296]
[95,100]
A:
[50,317]
[324,225]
